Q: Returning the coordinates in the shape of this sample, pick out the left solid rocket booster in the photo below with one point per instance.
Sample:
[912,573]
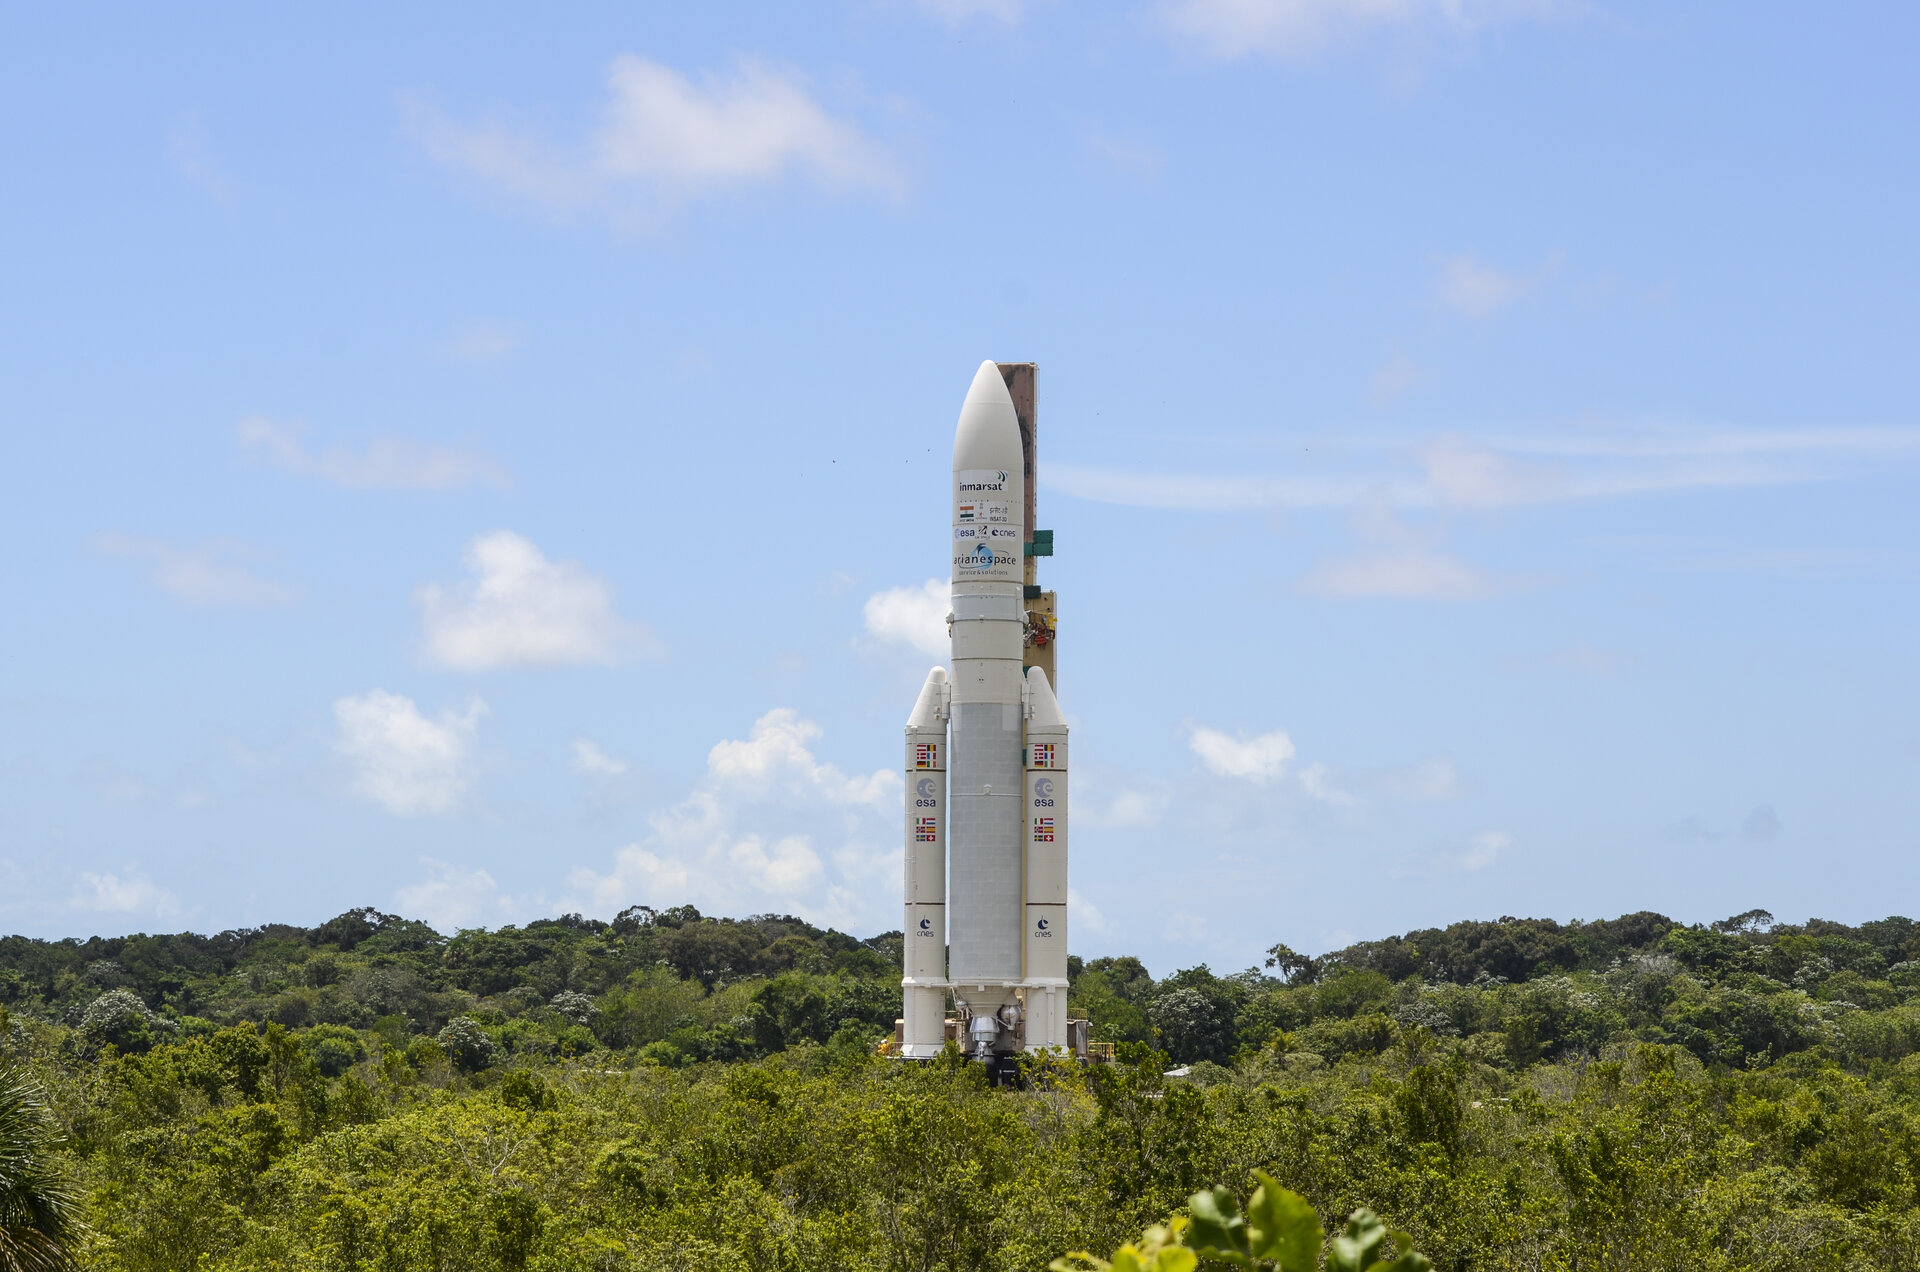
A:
[924,985]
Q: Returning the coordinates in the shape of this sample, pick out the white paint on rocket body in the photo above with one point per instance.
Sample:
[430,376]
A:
[984,860]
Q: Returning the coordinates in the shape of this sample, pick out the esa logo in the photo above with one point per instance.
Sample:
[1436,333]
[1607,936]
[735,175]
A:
[924,793]
[1043,929]
[1043,793]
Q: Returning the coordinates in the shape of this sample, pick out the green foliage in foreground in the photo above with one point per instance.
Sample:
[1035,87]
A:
[1279,1231]
[672,1091]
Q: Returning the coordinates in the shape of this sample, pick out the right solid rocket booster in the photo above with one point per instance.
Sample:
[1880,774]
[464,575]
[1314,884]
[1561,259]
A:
[986,826]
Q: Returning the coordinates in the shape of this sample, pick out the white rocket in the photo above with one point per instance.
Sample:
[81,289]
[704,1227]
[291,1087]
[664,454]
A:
[986,769]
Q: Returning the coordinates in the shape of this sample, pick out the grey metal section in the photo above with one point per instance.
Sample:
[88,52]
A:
[984,924]
[1001,605]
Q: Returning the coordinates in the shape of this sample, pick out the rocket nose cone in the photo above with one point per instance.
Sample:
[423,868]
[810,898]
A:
[988,387]
[988,435]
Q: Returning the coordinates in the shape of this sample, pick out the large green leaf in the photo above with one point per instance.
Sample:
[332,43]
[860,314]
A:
[1219,1230]
[1283,1227]
[1357,1249]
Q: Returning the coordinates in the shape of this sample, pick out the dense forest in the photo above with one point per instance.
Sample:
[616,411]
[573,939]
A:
[671,1090]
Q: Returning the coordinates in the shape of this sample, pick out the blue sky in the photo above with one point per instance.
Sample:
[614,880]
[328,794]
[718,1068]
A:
[480,464]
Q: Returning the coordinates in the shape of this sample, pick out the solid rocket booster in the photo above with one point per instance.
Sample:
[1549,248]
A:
[924,986]
[986,778]
[1046,882]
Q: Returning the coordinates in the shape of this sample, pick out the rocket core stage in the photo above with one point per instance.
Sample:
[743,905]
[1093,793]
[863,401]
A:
[986,766]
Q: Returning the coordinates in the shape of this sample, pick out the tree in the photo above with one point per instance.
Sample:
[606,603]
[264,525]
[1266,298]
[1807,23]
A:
[1746,921]
[39,1214]
[1294,969]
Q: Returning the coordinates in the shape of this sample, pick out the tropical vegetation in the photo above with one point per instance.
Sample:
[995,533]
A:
[672,1090]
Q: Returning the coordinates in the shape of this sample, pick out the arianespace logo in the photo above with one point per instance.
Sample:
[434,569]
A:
[980,557]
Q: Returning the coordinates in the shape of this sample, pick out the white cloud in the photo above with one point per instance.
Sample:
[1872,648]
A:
[1317,781]
[123,892]
[915,616]
[1470,287]
[1296,29]
[745,837]
[1762,824]
[522,609]
[588,758]
[1411,573]
[1258,759]
[663,136]
[388,463]
[776,751]
[452,897]
[401,760]
[208,575]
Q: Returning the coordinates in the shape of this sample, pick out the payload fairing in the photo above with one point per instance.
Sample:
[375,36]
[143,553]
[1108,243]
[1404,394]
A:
[986,769]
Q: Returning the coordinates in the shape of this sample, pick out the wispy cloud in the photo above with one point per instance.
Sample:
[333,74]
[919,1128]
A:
[1407,573]
[391,463]
[1476,289]
[483,342]
[1318,781]
[1399,561]
[913,616]
[1132,159]
[957,12]
[210,575]
[588,758]
[400,759]
[1293,30]
[522,609]
[1499,471]
[193,159]
[663,137]
[1477,853]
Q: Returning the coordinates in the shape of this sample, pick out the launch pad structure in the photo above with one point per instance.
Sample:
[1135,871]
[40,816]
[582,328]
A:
[986,767]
